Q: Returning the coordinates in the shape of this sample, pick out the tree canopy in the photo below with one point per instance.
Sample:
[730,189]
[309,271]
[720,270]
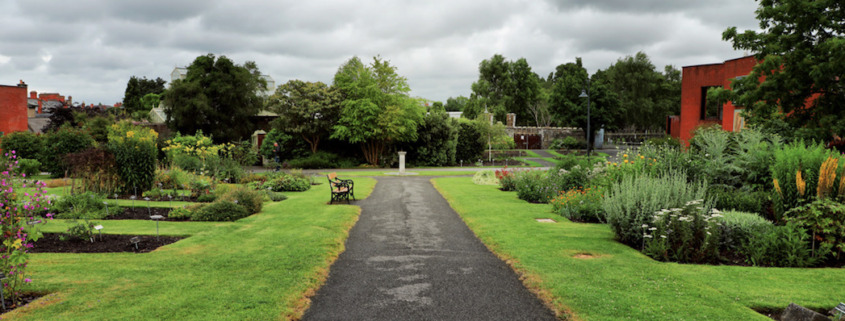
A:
[309,109]
[504,87]
[646,95]
[217,96]
[376,109]
[801,49]
[137,88]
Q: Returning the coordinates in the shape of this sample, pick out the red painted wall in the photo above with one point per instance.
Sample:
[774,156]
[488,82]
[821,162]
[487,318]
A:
[13,105]
[696,77]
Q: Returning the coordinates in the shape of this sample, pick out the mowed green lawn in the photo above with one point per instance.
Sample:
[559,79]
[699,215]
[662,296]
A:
[614,282]
[258,268]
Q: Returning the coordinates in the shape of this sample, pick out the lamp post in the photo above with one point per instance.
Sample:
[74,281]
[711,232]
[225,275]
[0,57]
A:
[585,93]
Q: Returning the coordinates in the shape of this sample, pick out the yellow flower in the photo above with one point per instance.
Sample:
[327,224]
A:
[642,157]
[130,134]
[624,155]
[626,161]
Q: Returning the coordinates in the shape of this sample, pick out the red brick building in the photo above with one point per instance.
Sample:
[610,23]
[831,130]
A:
[695,111]
[13,108]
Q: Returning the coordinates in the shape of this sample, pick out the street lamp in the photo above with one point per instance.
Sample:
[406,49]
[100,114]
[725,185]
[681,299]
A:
[585,93]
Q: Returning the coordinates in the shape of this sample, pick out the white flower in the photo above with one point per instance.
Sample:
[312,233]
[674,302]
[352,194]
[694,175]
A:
[708,233]
[647,235]
[652,229]
[645,225]
[663,236]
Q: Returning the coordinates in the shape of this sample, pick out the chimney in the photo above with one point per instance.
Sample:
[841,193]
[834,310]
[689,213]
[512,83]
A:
[22,84]
[70,100]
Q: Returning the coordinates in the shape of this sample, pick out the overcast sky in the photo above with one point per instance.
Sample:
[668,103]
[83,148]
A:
[90,48]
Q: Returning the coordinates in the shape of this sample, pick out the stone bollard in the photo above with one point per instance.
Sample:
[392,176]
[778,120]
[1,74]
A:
[402,163]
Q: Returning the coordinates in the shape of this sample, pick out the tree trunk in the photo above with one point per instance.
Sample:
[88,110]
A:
[372,150]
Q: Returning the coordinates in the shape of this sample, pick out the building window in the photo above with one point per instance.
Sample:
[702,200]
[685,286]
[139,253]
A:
[710,109]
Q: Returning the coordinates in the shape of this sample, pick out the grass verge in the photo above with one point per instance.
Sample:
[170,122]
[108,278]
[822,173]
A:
[584,274]
[262,267]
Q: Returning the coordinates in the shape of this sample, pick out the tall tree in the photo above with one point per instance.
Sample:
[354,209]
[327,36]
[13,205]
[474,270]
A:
[490,91]
[137,88]
[456,103]
[376,109]
[643,92]
[217,96]
[523,90]
[309,109]
[802,52]
[571,110]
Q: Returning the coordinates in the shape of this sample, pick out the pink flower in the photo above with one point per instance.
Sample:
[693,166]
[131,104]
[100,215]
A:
[27,280]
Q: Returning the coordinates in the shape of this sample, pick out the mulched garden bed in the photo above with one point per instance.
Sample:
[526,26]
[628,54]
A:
[107,243]
[775,314]
[143,213]
[25,299]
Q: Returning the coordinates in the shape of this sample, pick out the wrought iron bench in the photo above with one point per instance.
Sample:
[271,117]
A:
[341,189]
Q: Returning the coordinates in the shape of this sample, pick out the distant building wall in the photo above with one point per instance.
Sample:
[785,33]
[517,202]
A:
[13,108]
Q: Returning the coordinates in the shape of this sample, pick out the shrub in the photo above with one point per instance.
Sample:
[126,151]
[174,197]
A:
[485,177]
[250,199]
[276,196]
[713,146]
[179,213]
[738,227]
[57,144]
[729,198]
[437,140]
[83,231]
[190,163]
[754,154]
[534,186]
[288,183]
[87,205]
[292,147]
[469,146]
[25,144]
[795,174]
[579,205]
[687,234]
[134,150]
[321,159]
[28,166]
[206,198]
[824,219]
[785,246]
[631,203]
[220,211]
[224,169]
[571,143]
[506,179]
[252,177]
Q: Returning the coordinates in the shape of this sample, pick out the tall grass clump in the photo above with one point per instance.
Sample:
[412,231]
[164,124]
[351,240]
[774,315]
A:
[795,175]
[630,204]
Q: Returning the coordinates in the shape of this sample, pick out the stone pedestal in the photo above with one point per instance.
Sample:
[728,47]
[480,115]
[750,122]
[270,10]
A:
[402,162]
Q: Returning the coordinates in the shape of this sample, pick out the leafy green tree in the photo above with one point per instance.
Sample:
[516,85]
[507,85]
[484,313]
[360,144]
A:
[470,145]
[490,91]
[137,88]
[376,109]
[309,109]
[802,52]
[646,95]
[217,96]
[291,148]
[523,91]
[571,110]
[25,144]
[456,103]
[437,139]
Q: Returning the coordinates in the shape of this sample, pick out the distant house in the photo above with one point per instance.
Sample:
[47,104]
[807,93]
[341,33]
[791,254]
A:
[695,111]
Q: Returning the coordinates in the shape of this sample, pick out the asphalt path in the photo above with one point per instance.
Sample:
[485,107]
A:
[411,257]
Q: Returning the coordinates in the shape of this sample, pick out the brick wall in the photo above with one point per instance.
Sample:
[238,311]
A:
[13,108]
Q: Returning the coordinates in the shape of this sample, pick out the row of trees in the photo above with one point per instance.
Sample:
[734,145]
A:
[631,93]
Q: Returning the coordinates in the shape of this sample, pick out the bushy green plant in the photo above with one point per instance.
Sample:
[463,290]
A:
[469,145]
[792,162]
[534,186]
[729,198]
[63,141]
[224,169]
[571,143]
[687,234]
[485,177]
[754,154]
[199,185]
[28,166]
[87,205]
[220,211]
[631,203]
[27,145]
[321,159]
[135,151]
[824,219]
[79,231]
[579,204]
[288,183]
[437,139]
[187,162]
[507,181]
[276,196]
[179,213]
[785,246]
[206,198]
[738,227]
[292,147]
[250,199]
[713,146]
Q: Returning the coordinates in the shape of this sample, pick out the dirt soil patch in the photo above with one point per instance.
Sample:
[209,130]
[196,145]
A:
[143,213]
[23,300]
[107,243]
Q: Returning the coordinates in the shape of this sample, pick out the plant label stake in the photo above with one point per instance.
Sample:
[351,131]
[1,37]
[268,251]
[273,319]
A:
[149,211]
[135,240]
[133,203]
[107,208]
[99,229]
[156,218]
[2,298]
